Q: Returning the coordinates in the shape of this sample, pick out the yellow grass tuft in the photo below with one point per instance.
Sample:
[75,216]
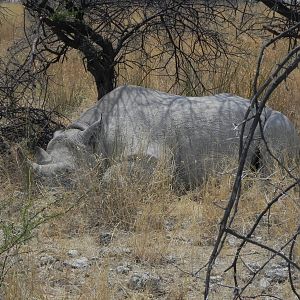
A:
[10,25]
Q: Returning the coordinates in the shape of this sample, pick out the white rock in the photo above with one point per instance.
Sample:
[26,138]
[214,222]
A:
[215,279]
[277,274]
[170,259]
[264,283]
[123,269]
[73,253]
[77,263]
[47,260]
[141,281]
[232,240]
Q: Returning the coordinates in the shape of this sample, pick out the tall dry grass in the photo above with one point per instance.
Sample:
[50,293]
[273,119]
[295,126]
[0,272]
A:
[10,25]
[150,219]
[146,216]
[73,87]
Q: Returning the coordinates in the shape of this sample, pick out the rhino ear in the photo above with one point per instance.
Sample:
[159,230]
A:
[89,134]
[57,133]
[42,156]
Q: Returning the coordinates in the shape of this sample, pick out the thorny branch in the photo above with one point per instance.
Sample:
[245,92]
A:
[240,291]
[262,93]
[23,91]
[178,39]
[114,35]
[291,256]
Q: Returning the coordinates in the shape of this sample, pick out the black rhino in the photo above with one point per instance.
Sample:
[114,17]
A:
[197,134]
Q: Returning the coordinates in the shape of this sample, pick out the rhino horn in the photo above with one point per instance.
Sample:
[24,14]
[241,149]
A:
[42,156]
[26,163]
[90,133]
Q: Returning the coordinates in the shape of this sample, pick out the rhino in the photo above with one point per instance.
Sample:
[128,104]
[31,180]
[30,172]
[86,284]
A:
[196,134]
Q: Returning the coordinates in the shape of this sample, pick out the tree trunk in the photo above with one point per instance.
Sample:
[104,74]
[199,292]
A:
[101,64]
[104,76]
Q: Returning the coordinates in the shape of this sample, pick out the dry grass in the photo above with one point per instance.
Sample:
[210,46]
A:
[72,87]
[11,25]
[154,223]
[153,228]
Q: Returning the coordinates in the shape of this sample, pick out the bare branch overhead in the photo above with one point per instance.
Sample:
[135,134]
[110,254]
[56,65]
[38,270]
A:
[189,34]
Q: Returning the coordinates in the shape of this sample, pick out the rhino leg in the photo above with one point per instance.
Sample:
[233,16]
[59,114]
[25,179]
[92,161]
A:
[256,160]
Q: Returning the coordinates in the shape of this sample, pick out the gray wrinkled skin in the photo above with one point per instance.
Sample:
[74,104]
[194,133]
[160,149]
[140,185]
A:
[197,134]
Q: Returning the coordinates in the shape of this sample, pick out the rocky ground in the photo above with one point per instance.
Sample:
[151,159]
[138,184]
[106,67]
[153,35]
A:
[109,265]
[146,242]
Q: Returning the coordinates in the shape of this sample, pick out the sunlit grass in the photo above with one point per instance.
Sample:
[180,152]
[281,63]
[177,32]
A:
[152,219]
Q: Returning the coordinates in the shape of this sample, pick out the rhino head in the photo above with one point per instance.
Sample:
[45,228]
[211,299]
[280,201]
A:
[67,154]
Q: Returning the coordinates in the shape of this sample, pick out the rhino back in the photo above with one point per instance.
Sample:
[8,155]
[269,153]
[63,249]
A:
[199,131]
